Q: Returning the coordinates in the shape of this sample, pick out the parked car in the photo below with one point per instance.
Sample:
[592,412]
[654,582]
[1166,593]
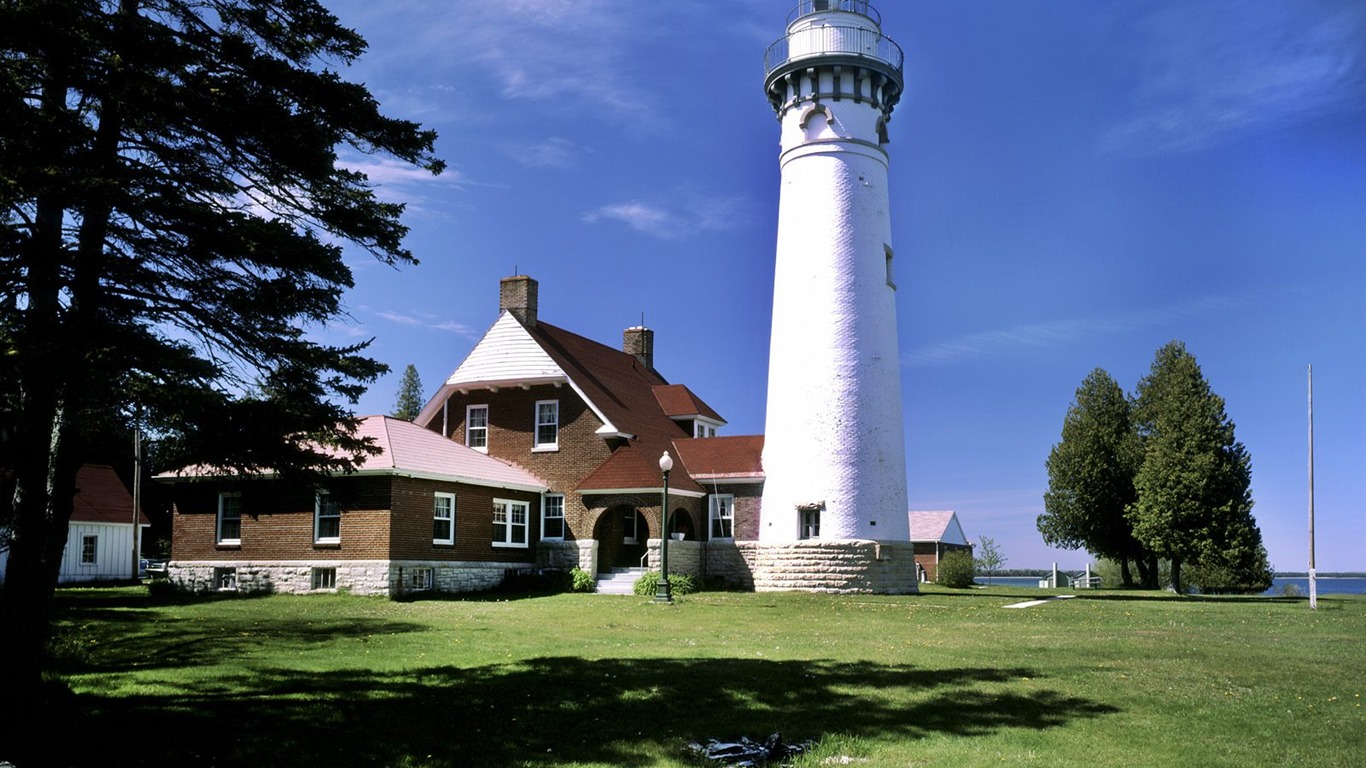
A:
[156,568]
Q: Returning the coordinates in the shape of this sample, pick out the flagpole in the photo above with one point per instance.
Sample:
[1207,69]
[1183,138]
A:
[1313,579]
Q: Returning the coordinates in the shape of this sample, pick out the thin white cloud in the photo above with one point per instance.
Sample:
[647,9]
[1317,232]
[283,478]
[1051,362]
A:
[695,215]
[554,152]
[425,322]
[1214,70]
[575,54]
[1058,333]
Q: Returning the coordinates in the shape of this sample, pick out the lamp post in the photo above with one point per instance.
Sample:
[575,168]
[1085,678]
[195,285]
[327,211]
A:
[664,594]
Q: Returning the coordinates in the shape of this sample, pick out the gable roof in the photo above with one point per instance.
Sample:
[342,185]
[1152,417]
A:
[937,526]
[101,497]
[627,396]
[408,450]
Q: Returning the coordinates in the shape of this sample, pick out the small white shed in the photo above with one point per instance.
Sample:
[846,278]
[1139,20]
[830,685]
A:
[99,541]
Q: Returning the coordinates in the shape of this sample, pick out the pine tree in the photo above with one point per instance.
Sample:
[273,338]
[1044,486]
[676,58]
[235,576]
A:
[1194,503]
[173,207]
[409,402]
[1091,478]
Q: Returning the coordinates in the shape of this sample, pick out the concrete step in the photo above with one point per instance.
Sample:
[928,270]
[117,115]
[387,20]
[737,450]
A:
[621,581]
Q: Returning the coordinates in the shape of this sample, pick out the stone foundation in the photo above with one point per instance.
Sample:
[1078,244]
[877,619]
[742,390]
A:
[841,566]
[387,578]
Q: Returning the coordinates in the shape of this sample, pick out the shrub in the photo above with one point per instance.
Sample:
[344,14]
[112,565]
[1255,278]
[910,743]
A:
[582,581]
[680,583]
[956,570]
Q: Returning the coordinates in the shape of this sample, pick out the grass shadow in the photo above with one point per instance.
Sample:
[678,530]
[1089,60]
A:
[557,710]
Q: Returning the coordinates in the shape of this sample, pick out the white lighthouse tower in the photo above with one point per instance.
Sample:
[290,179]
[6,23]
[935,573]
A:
[834,448]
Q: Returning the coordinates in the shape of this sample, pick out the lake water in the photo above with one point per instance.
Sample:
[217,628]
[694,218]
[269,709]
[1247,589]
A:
[1326,586]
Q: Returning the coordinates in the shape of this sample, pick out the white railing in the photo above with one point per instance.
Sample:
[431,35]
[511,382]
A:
[833,41]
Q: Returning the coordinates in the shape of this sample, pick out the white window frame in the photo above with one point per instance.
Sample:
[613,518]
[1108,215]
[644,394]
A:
[324,579]
[90,549]
[506,526]
[421,579]
[721,512]
[225,579]
[703,429]
[449,519]
[552,502]
[482,444]
[218,529]
[324,501]
[548,445]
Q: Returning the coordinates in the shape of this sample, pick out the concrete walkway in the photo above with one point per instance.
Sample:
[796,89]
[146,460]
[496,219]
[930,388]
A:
[1032,603]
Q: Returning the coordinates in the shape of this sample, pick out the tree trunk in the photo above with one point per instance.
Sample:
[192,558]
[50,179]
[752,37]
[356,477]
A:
[1124,572]
[1176,576]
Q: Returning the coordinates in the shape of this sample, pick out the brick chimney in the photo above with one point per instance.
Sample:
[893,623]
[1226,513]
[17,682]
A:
[518,295]
[639,341]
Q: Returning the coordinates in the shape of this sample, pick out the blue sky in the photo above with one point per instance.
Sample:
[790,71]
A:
[1073,184]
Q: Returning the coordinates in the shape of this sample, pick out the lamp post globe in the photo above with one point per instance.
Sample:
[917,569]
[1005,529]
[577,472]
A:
[664,593]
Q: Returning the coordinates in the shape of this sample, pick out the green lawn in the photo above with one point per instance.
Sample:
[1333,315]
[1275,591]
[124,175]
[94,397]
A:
[947,678]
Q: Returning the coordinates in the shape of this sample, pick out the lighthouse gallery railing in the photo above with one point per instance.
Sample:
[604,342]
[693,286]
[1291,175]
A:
[830,40]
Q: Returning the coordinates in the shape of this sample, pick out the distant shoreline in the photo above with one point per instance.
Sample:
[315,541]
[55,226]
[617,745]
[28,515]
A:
[1042,572]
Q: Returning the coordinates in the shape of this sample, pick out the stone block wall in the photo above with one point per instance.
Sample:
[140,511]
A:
[684,556]
[840,566]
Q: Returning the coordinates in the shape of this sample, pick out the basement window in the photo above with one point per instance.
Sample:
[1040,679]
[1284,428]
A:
[324,578]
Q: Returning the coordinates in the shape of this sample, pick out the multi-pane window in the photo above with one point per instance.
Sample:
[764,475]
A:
[547,424]
[229,518]
[326,520]
[419,579]
[225,579]
[722,516]
[477,427]
[443,518]
[510,523]
[630,527]
[90,547]
[552,516]
[702,429]
[324,578]
[810,524]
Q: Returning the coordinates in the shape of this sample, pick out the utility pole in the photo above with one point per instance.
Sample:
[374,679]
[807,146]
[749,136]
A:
[1313,579]
[137,497]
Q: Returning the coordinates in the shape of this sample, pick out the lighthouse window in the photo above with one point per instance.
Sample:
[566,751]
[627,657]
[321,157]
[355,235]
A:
[810,522]
[887,249]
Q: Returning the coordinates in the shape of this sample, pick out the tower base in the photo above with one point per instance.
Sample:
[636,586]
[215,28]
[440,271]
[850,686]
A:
[837,566]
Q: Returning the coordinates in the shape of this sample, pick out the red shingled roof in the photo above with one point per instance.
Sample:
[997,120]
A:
[623,388]
[735,457]
[679,402]
[101,497]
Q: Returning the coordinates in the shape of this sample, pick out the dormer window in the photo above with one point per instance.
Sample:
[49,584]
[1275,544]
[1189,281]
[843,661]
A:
[702,429]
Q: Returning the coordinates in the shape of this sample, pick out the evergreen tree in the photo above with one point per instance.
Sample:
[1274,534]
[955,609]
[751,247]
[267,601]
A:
[1091,478]
[409,402]
[1194,503]
[172,205]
